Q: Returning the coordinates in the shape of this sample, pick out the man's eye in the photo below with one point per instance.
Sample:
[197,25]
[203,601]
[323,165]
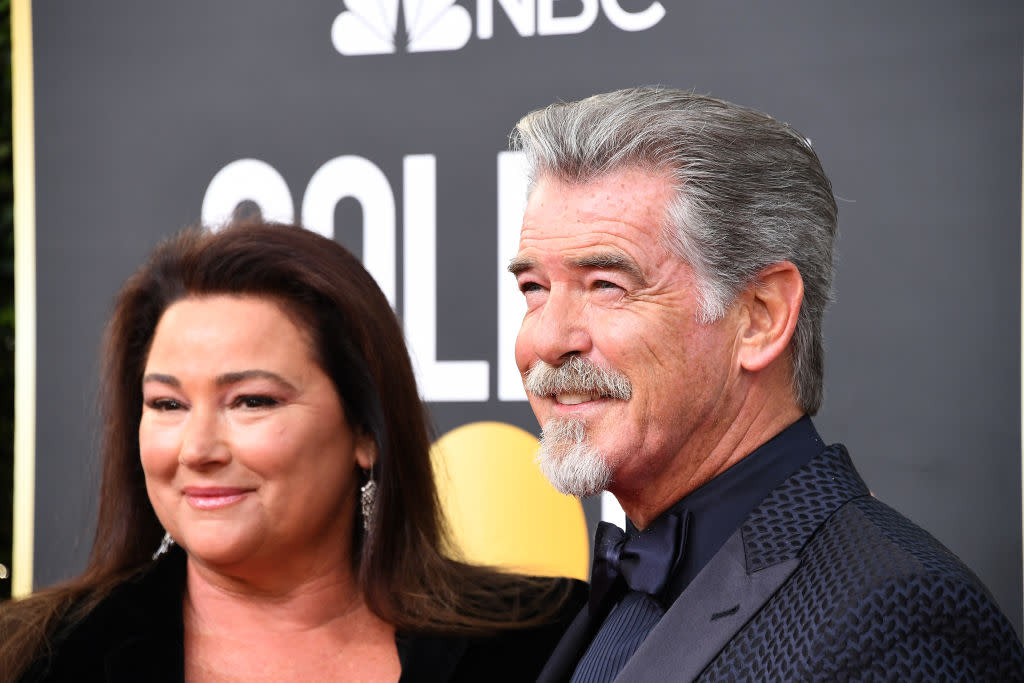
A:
[254,401]
[164,404]
[528,287]
[605,284]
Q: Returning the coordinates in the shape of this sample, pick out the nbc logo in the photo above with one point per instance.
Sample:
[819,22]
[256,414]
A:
[376,27]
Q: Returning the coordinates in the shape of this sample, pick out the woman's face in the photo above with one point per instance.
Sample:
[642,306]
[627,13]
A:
[249,461]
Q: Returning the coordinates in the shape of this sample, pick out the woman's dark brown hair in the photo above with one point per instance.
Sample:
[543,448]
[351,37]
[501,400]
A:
[357,340]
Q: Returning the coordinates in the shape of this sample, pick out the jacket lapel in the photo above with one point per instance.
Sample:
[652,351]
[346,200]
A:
[712,609]
[749,568]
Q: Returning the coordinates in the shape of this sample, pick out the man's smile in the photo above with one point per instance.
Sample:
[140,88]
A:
[574,399]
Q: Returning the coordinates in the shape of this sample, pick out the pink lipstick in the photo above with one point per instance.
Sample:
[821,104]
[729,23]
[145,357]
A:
[213,497]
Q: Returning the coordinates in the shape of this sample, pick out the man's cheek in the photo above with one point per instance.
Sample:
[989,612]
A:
[540,408]
[520,350]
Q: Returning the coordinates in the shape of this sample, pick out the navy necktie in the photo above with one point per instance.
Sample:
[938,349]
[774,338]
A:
[645,562]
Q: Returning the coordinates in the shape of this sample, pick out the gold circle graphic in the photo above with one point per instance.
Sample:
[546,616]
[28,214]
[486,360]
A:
[500,509]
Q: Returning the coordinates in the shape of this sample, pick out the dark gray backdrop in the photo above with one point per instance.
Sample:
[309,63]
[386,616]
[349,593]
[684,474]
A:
[914,108]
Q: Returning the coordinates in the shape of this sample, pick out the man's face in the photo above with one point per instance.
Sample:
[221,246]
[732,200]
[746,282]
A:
[601,286]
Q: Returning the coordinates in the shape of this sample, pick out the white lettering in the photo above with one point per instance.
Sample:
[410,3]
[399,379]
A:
[611,511]
[360,179]
[356,177]
[548,24]
[520,13]
[366,29]
[632,21]
[512,183]
[438,380]
[247,180]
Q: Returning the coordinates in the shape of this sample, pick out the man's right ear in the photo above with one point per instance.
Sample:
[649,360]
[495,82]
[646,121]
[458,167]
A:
[773,303]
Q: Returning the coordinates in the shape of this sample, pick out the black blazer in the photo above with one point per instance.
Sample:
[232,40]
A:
[136,634]
[821,583]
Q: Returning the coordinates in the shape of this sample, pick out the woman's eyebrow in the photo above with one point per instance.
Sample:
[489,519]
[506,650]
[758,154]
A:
[162,378]
[242,375]
[227,378]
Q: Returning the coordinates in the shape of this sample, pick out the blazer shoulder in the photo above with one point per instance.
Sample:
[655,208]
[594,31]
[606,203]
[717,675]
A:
[874,597]
[902,603]
[874,542]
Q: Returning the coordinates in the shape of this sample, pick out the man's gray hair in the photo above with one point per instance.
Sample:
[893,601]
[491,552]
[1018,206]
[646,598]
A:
[749,192]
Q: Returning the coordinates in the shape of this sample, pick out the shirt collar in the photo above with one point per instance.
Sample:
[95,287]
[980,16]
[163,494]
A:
[719,507]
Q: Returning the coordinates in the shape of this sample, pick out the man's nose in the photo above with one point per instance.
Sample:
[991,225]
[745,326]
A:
[562,330]
[202,444]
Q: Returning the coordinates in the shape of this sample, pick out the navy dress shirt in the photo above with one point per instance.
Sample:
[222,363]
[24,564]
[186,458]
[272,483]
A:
[715,511]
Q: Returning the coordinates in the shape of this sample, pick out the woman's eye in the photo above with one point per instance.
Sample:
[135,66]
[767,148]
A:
[255,402]
[164,404]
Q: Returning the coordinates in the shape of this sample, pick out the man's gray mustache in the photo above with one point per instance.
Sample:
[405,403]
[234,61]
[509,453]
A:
[577,375]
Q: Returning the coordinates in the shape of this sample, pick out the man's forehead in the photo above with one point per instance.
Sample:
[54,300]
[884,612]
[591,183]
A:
[633,200]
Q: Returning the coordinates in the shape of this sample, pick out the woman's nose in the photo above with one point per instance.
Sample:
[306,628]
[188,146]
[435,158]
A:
[202,443]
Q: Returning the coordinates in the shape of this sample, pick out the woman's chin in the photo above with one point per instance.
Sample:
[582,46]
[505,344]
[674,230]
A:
[221,554]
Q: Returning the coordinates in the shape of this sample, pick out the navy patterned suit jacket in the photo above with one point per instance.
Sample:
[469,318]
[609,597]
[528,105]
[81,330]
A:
[822,583]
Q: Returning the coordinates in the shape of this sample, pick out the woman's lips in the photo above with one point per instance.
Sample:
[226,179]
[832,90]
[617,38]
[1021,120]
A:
[213,497]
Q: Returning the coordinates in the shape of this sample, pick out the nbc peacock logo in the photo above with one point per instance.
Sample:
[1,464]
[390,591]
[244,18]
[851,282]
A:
[379,27]
[376,27]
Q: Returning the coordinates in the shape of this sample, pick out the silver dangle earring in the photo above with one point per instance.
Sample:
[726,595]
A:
[367,499]
[165,545]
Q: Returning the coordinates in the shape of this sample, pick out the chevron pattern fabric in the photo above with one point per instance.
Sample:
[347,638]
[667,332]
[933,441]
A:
[875,598]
